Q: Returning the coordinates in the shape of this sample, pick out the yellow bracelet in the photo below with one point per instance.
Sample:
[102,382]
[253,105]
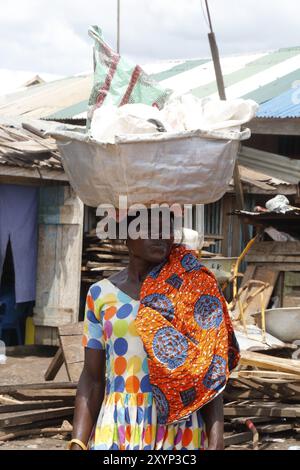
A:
[77,441]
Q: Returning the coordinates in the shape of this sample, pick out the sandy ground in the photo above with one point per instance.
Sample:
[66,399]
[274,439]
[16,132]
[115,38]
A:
[37,443]
[31,369]
[53,443]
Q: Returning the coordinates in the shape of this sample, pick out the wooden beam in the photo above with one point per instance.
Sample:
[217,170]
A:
[277,410]
[70,337]
[263,361]
[36,431]
[239,438]
[274,428]
[54,365]
[37,405]
[279,126]
[37,386]
[26,417]
[19,175]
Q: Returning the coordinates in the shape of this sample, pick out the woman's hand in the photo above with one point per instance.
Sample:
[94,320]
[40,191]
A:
[89,397]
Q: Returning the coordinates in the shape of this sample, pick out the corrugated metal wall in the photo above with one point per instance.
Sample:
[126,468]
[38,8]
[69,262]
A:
[213,221]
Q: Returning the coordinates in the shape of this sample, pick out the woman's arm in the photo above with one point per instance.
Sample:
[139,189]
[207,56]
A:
[89,397]
[213,415]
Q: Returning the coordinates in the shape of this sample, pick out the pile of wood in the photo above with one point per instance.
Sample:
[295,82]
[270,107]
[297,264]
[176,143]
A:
[282,261]
[102,258]
[263,399]
[36,409]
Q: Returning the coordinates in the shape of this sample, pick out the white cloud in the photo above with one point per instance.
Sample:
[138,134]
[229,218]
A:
[51,36]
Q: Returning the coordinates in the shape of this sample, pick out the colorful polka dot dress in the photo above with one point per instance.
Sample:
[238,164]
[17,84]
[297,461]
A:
[128,415]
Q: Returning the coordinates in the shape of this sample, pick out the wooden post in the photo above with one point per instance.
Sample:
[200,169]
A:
[221,90]
[217,65]
[240,202]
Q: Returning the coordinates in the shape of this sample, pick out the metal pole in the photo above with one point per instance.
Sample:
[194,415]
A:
[118,26]
[215,56]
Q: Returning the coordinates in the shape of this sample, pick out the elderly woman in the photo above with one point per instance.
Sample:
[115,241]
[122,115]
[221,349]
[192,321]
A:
[158,349]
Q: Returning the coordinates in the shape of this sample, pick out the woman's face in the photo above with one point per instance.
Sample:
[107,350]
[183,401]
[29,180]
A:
[153,250]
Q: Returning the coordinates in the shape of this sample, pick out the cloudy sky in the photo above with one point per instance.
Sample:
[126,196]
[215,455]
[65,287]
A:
[50,37]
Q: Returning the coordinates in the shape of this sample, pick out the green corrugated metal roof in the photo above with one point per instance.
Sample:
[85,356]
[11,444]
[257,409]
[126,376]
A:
[179,68]
[250,70]
[260,76]
[73,110]
[273,89]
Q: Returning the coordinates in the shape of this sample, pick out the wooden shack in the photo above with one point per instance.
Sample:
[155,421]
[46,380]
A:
[27,158]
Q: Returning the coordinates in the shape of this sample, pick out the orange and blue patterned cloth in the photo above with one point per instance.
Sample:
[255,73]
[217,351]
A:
[187,333]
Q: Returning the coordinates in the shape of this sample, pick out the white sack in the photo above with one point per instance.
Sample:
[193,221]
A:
[184,113]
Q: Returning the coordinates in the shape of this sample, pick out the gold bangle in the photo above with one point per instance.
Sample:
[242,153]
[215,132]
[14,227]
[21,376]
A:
[77,441]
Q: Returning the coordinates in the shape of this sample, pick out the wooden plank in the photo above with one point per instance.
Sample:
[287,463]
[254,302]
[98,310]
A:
[263,361]
[29,350]
[290,301]
[274,428]
[103,266]
[239,438]
[108,257]
[19,175]
[9,401]
[277,410]
[272,258]
[49,422]
[269,374]
[24,396]
[73,349]
[48,431]
[284,126]
[75,369]
[276,248]
[74,329]
[265,390]
[117,249]
[26,417]
[70,337]
[54,365]
[37,386]
[37,405]
[238,393]
[286,392]
[280,267]
[292,279]
[254,419]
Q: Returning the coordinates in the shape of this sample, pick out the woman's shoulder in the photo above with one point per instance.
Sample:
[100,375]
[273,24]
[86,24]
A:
[101,289]
[101,295]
